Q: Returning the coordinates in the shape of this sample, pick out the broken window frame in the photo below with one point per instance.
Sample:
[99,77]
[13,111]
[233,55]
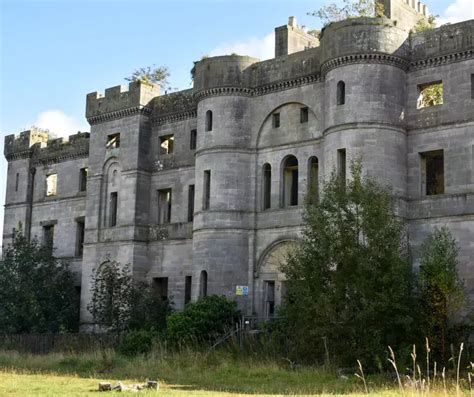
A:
[167,144]
[113,141]
[51,185]
[164,206]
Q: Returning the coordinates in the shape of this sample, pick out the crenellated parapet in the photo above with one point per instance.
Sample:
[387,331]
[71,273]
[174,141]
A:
[37,145]
[174,107]
[120,101]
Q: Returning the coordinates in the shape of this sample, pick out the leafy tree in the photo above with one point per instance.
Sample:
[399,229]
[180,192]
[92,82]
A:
[350,9]
[119,304]
[36,289]
[151,75]
[206,319]
[425,24]
[350,285]
[443,294]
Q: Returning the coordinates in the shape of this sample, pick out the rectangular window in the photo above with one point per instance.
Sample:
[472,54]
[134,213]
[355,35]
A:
[472,86]
[17,181]
[51,185]
[48,236]
[276,120]
[270,298]
[80,238]
[341,164]
[304,115]
[432,172]
[193,140]
[206,190]
[187,289]
[83,172]
[113,141]
[160,286]
[164,206]
[190,203]
[166,144]
[113,202]
[430,94]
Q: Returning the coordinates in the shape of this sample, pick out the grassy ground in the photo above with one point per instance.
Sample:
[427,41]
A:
[190,373]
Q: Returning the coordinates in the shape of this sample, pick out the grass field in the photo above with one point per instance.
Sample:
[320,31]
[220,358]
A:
[193,374]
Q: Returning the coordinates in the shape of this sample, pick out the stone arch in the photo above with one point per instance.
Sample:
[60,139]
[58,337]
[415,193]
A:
[290,129]
[289,177]
[269,282]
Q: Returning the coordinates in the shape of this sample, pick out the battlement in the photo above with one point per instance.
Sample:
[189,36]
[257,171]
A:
[406,13]
[180,101]
[136,95]
[37,144]
[292,38]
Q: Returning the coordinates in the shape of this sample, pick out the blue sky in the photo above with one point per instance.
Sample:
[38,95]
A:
[52,53]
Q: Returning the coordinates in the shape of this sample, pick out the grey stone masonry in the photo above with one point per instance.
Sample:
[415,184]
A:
[201,191]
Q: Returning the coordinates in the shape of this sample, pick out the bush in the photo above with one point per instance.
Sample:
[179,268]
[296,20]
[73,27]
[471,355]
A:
[137,342]
[206,319]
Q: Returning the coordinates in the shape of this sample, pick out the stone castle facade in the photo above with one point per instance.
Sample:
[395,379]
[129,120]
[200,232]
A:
[202,190]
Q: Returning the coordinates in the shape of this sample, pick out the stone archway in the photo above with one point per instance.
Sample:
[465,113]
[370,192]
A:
[269,279]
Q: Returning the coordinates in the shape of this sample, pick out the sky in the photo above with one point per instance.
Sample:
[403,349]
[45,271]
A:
[54,52]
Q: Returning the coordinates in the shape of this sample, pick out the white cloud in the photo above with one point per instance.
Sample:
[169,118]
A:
[459,10]
[258,47]
[59,123]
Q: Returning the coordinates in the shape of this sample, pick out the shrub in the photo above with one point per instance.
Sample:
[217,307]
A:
[138,341]
[206,319]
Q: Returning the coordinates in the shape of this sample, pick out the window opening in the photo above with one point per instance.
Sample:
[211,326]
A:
[160,287]
[17,181]
[166,144]
[290,181]
[203,284]
[51,185]
[341,164]
[276,120]
[430,94]
[113,209]
[206,190]
[164,206]
[190,203]
[341,93]
[113,141]
[304,114]
[209,120]
[313,179]
[267,186]
[80,238]
[432,170]
[193,140]
[187,289]
[83,172]
[269,298]
[48,236]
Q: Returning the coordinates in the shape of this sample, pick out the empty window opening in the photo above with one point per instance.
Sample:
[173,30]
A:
[83,172]
[113,202]
[432,171]
[164,206]
[206,190]
[113,141]
[48,236]
[341,164]
[290,181]
[203,284]
[190,203]
[80,238]
[313,171]
[52,185]
[209,120]
[166,144]
[187,289]
[17,180]
[276,120]
[193,140]
[304,113]
[267,186]
[472,86]
[430,94]
[341,93]
[160,287]
[269,298]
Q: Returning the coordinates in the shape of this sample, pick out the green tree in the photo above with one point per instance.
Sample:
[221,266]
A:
[119,303]
[443,295]
[350,285]
[36,289]
[350,9]
[151,75]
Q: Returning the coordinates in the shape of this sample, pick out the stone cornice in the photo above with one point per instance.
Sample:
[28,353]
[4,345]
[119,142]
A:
[174,117]
[441,60]
[141,109]
[60,158]
[376,58]
[224,91]
[25,154]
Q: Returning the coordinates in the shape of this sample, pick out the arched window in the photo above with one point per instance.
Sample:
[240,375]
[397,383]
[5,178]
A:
[203,284]
[313,170]
[290,181]
[267,186]
[209,120]
[341,93]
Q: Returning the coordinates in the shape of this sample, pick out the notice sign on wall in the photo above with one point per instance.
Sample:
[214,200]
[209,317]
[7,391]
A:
[241,290]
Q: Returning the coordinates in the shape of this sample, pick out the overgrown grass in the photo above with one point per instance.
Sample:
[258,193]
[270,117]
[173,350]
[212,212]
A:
[215,373]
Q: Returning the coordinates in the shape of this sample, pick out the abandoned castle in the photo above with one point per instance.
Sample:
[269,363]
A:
[202,190]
